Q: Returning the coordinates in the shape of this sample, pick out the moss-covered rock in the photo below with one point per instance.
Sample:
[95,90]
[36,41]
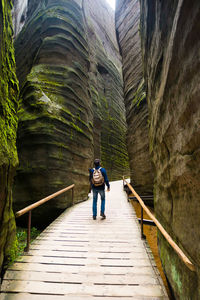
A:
[70,87]
[55,139]
[8,128]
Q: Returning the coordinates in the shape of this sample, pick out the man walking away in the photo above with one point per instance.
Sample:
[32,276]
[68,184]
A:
[98,179]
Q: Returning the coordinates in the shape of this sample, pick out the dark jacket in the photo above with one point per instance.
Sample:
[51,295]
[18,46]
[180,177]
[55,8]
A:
[103,171]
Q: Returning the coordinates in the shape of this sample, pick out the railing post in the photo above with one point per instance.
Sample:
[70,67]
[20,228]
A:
[73,196]
[26,249]
[142,233]
[127,197]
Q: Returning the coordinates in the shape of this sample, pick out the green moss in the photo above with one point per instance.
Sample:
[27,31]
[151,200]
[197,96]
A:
[76,127]
[140,94]
[176,278]
[12,253]
[8,128]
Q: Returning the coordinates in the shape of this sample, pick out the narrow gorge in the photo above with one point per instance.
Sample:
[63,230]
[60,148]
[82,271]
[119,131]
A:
[79,81]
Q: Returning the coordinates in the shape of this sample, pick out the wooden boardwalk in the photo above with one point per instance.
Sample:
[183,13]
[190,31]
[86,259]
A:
[79,258]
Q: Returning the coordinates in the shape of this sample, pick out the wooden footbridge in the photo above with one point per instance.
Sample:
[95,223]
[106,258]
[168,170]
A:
[79,258]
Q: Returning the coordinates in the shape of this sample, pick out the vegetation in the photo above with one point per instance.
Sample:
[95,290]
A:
[8,128]
[22,237]
[20,242]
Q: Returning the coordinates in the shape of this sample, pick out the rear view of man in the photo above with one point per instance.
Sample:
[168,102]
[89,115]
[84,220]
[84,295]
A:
[98,179]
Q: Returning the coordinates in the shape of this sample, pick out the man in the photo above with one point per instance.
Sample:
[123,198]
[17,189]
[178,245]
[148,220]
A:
[98,179]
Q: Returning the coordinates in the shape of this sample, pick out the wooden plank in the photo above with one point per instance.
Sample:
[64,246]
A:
[78,248]
[84,261]
[82,278]
[91,253]
[93,290]
[78,243]
[26,296]
[84,269]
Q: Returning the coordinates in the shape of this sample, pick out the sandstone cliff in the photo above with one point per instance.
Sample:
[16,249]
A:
[127,26]
[106,86]
[71,93]
[170,39]
[55,142]
[8,127]
[19,15]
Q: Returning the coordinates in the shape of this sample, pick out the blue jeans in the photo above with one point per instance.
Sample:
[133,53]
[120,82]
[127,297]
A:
[95,197]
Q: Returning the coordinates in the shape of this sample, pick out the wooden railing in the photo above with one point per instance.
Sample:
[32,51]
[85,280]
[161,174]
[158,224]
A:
[29,209]
[180,253]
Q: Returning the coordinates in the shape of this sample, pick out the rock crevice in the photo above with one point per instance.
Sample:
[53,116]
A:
[128,33]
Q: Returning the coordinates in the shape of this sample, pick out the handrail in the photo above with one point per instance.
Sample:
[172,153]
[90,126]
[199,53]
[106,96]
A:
[40,202]
[29,209]
[180,253]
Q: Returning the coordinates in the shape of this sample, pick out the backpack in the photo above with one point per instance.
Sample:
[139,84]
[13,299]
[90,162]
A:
[97,177]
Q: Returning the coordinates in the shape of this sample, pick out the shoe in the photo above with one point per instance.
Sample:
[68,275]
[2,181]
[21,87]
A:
[94,217]
[103,216]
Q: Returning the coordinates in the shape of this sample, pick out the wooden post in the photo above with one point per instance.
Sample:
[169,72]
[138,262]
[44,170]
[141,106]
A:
[142,233]
[73,196]
[26,249]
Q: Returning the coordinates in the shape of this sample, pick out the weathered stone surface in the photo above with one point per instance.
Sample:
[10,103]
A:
[19,15]
[106,87]
[127,26]
[8,128]
[170,37]
[71,97]
[55,121]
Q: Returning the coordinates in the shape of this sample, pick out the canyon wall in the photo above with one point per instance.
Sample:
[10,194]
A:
[8,127]
[106,87]
[169,32]
[55,138]
[170,44]
[71,101]
[127,26]
[19,15]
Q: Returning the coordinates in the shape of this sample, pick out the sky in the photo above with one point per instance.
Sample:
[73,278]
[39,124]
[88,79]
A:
[112,3]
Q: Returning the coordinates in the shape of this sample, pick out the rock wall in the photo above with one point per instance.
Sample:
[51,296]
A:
[106,86]
[170,43]
[8,127]
[127,26]
[19,15]
[62,112]
[55,138]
